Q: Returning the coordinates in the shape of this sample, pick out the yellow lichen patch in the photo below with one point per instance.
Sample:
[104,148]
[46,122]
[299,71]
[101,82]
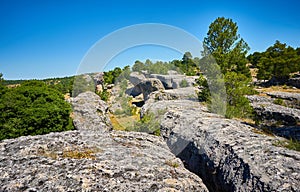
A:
[172,163]
[71,152]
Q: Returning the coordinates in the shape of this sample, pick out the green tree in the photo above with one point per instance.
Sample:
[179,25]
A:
[31,109]
[225,44]
[224,47]
[138,66]
[277,62]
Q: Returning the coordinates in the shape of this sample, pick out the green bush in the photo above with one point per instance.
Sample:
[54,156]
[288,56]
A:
[33,109]
[184,83]
[279,101]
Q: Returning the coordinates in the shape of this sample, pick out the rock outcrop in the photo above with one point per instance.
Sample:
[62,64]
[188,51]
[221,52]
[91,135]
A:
[92,158]
[136,77]
[90,161]
[174,81]
[146,87]
[187,93]
[229,155]
[295,82]
[280,120]
[271,114]
[90,112]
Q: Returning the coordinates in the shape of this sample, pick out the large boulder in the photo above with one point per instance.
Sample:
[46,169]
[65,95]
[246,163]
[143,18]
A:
[90,112]
[295,82]
[146,87]
[175,81]
[91,161]
[229,155]
[136,77]
[187,93]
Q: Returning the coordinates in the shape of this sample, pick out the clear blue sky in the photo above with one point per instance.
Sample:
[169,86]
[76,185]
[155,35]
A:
[41,38]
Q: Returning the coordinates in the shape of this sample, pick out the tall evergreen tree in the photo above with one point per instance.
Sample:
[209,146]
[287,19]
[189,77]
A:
[226,46]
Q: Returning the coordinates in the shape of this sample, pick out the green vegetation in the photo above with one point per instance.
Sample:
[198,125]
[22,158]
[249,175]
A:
[149,124]
[184,83]
[290,144]
[172,163]
[117,73]
[279,101]
[187,65]
[32,109]
[277,62]
[229,51]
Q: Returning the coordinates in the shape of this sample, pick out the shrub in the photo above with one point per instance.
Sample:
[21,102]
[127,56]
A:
[279,101]
[184,83]
[33,109]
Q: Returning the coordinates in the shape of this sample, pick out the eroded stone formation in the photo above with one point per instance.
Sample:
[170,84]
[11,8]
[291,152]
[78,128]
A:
[95,159]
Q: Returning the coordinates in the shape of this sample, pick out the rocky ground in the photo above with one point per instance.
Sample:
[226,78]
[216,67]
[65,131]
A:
[197,150]
[92,159]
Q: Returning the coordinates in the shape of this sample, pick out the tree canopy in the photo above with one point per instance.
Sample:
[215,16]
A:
[226,46]
[33,108]
[229,51]
[278,61]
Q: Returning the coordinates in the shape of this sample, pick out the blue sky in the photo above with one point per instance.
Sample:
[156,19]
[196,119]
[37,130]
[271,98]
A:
[41,39]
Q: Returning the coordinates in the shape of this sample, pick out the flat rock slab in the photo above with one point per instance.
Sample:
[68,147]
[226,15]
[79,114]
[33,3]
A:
[93,161]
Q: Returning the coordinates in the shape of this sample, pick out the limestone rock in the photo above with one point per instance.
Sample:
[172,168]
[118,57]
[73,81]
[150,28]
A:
[174,81]
[89,112]
[164,106]
[146,87]
[295,82]
[188,93]
[135,78]
[228,155]
[85,160]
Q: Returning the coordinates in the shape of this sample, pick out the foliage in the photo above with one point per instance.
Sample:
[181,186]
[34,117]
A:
[237,85]
[148,124]
[254,58]
[277,62]
[31,109]
[187,65]
[204,94]
[83,83]
[226,46]
[104,95]
[279,101]
[290,144]
[63,85]
[184,83]
[116,74]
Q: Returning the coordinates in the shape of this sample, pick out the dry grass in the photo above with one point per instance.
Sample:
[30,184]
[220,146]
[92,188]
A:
[122,122]
[278,88]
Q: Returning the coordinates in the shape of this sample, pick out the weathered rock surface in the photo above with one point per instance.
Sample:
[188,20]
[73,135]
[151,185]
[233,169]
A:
[146,87]
[295,82]
[174,81]
[227,155]
[136,77]
[167,105]
[285,95]
[280,120]
[291,100]
[90,112]
[272,114]
[92,159]
[188,93]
